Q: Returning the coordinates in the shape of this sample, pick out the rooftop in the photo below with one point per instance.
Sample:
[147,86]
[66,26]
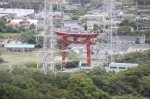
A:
[19,46]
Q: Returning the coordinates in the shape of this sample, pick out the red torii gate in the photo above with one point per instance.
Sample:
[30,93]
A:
[65,41]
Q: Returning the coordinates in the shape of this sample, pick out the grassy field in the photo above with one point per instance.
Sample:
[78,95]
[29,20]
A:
[19,58]
[8,35]
[16,58]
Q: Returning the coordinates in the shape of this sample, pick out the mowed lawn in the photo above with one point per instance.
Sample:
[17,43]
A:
[8,35]
[19,57]
[16,58]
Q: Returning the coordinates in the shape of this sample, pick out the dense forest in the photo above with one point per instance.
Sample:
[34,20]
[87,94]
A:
[29,83]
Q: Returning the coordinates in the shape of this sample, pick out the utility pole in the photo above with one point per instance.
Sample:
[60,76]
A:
[137,14]
[144,5]
[47,52]
[111,31]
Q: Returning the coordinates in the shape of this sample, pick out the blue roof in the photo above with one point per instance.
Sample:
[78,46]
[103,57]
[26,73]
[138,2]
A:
[19,45]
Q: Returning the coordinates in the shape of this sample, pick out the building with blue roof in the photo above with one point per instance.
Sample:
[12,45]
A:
[20,47]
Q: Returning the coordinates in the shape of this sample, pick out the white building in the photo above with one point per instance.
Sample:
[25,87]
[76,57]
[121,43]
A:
[132,49]
[32,21]
[117,67]
[90,24]
[72,6]
[56,15]
[17,12]
[72,25]
[99,19]
[99,16]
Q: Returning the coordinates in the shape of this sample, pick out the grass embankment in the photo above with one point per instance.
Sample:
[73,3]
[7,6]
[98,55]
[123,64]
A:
[8,35]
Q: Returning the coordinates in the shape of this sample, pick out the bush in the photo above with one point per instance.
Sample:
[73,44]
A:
[31,65]
[72,64]
[1,60]
[2,37]
[84,64]
[58,65]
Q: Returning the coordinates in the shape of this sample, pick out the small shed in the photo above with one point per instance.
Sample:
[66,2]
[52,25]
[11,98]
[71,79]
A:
[20,47]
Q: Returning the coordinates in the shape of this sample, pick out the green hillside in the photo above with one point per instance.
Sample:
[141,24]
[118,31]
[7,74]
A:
[30,83]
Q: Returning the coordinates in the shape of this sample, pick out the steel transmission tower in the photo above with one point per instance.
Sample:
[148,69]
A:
[46,55]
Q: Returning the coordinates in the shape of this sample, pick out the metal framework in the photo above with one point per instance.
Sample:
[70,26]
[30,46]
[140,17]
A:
[46,55]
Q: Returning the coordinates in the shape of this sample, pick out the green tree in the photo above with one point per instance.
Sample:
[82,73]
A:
[11,92]
[129,22]
[2,25]
[124,30]
[95,27]
[28,37]
[137,41]
[23,82]
[83,86]
[1,60]
[144,86]
[75,17]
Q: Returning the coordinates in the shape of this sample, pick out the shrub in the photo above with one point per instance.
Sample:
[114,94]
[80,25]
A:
[31,65]
[72,64]
[58,65]
[1,60]
[84,64]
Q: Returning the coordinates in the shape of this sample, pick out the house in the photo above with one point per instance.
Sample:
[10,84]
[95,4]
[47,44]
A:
[98,17]
[117,20]
[129,39]
[32,21]
[118,5]
[90,24]
[39,26]
[57,15]
[67,17]
[71,6]
[24,23]
[116,13]
[14,25]
[119,49]
[145,26]
[143,11]
[138,48]
[128,16]
[117,67]
[72,25]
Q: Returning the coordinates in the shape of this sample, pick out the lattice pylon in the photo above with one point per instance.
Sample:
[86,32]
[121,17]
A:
[47,53]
